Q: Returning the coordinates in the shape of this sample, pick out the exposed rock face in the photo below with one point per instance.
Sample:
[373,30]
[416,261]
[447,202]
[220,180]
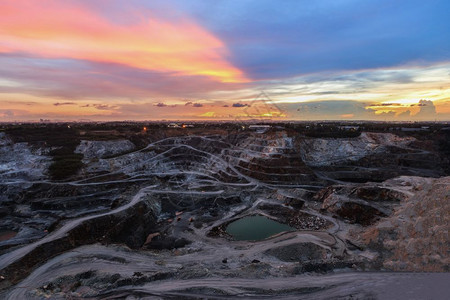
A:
[290,199]
[371,157]
[379,193]
[323,152]
[362,204]
[271,158]
[405,219]
[415,236]
[101,149]
[357,212]
[19,161]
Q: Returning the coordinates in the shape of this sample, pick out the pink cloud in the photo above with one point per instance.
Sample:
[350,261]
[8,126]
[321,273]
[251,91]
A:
[63,29]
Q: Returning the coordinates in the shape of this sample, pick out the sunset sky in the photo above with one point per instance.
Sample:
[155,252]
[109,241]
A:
[224,59]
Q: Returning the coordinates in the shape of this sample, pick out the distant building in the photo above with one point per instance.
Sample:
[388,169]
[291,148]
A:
[173,125]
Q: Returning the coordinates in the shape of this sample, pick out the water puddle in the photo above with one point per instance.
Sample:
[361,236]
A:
[255,228]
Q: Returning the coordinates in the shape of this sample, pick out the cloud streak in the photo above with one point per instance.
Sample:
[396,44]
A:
[64,103]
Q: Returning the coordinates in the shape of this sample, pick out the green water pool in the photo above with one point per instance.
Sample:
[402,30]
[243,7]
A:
[255,228]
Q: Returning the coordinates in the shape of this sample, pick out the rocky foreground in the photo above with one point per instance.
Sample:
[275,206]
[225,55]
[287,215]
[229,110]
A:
[149,218]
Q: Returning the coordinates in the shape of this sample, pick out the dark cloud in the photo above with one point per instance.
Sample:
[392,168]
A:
[161,104]
[239,105]
[386,104]
[104,106]
[101,106]
[193,104]
[64,103]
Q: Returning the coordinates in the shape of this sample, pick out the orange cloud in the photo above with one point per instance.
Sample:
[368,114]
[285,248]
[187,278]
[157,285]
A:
[62,29]
[347,116]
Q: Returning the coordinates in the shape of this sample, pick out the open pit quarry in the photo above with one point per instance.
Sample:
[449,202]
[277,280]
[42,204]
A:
[220,214]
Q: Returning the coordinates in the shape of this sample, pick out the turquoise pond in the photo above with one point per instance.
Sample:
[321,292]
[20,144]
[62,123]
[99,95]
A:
[255,228]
